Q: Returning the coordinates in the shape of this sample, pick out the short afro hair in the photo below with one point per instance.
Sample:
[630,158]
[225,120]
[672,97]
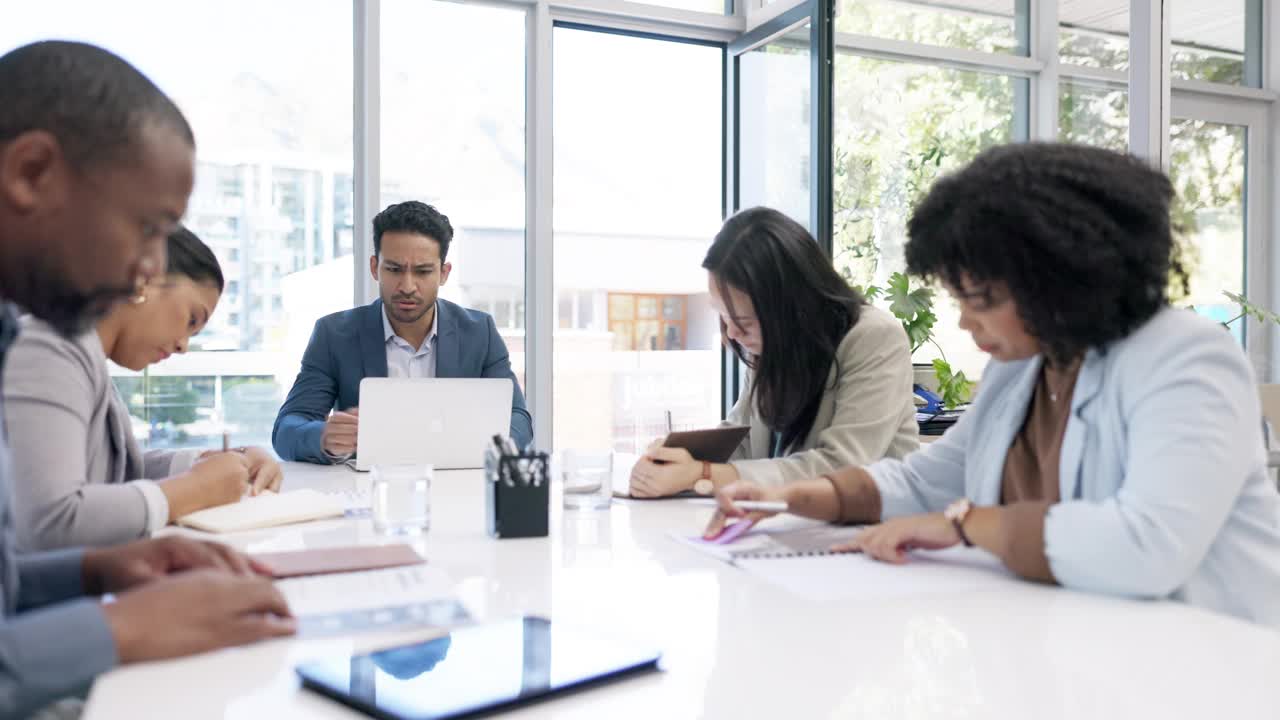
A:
[1081,237]
[413,217]
[91,100]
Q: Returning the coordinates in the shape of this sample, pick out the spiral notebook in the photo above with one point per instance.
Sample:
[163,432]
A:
[791,538]
[796,556]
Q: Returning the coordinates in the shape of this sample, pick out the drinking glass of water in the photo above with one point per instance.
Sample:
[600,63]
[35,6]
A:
[401,499]
[588,479]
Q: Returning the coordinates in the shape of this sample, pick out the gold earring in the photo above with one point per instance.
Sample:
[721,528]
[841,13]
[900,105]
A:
[139,292]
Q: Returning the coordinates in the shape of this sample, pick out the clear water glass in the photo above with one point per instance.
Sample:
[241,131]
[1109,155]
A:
[401,499]
[587,479]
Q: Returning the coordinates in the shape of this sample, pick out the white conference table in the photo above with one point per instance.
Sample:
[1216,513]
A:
[736,647]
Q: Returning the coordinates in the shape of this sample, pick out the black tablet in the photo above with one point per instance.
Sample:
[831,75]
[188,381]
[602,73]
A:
[475,670]
[714,445]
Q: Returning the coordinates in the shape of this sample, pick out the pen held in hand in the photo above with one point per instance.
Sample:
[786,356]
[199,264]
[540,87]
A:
[776,506]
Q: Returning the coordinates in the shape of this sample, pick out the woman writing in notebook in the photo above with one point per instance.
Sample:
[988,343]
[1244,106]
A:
[828,380]
[1115,445]
[81,478]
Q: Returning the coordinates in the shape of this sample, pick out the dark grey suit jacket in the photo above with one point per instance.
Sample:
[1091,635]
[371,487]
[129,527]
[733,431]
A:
[349,346]
[53,641]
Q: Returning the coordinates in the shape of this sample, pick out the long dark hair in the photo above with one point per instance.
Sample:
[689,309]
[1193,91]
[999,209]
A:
[190,257]
[803,305]
[1081,237]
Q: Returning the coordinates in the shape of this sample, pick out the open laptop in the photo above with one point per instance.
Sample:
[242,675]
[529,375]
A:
[446,422]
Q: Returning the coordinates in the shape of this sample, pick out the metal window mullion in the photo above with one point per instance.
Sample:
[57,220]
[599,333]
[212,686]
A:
[1045,92]
[729,387]
[539,238]
[1096,76]
[765,33]
[821,138]
[1270,62]
[1255,55]
[889,49]
[653,20]
[1259,250]
[1222,92]
[1149,88]
[768,12]
[366,132]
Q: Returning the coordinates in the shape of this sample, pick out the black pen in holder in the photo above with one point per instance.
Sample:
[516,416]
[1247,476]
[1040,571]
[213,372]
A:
[517,494]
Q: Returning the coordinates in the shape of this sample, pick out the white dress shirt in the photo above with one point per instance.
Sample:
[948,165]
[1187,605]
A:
[405,361]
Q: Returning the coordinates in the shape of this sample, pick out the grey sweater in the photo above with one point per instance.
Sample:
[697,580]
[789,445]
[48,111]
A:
[80,477]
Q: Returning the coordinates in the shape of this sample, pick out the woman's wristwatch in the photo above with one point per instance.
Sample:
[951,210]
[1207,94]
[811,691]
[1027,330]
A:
[703,485]
[956,512]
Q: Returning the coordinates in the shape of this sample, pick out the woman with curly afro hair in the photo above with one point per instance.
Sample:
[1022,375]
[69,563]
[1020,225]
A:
[1116,443]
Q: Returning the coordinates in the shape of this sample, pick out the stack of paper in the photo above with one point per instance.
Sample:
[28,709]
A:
[375,599]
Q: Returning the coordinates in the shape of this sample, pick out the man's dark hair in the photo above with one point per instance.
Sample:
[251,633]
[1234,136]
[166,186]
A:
[92,101]
[803,305]
[191,258]
[413,217]
[1080,236]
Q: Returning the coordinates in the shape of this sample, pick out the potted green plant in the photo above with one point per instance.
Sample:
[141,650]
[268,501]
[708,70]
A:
[1248,309]
[913,306]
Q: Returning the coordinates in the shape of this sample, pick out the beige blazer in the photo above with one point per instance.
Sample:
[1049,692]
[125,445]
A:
[79,476]
[867,412]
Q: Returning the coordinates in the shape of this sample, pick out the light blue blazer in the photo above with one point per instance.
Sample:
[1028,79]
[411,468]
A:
[1163,472]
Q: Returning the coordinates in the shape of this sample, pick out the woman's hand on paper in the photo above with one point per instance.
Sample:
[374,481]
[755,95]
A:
[218,479]
[264,470]
[741,490]
[891,541]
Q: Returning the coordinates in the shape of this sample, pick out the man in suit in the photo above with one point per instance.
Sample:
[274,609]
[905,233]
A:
[96,166]
[408,332]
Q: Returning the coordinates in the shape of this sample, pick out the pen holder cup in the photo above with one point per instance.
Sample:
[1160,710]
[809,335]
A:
[518,495]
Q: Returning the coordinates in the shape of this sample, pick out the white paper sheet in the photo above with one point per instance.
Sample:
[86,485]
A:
[364,590]
[833,577]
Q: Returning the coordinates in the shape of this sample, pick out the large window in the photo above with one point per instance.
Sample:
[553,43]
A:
[453,135]
[774,161]
[637,179]
[1209,40]
[1092,114]
[708,6]
[271,108]
[1094,34]
[985,25]
[898,127]
[638,169]
[1208,173]
[1207,160]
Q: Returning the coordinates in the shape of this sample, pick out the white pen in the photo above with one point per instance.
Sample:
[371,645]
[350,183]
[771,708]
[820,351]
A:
[748,505]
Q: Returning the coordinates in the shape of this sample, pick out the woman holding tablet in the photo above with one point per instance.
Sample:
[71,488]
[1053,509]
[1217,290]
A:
[828,376]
